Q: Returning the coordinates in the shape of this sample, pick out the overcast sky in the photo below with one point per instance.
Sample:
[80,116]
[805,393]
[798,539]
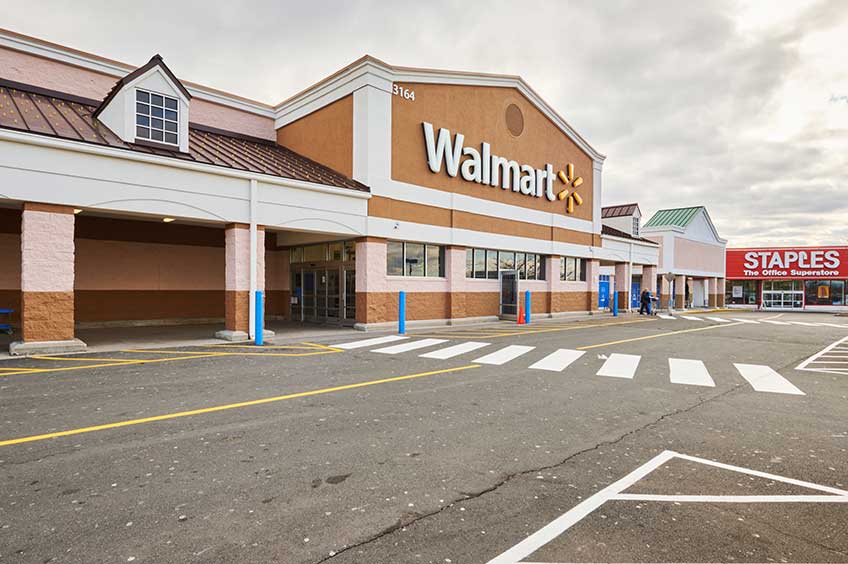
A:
[739,106]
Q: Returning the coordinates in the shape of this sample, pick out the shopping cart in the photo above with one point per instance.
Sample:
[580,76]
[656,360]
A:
[6,321]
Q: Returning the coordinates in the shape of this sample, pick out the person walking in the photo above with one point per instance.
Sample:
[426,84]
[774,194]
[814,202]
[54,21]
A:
[645,303]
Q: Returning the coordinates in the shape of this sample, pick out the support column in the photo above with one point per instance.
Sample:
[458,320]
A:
[713,297]
[720,292]
[622,285]
[47,281]
[593,280]
[373,302]
[679,291]
[649,278]
[237,280]
[455,267]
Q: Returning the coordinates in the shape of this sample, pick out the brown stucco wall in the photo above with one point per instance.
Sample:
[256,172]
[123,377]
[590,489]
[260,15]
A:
[142,305]
[325,135]
[479,114]
[47,316]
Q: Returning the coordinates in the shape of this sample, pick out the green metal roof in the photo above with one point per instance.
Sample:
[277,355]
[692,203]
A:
[677,217]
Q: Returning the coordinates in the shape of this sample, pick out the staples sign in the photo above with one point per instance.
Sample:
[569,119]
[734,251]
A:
[806,262]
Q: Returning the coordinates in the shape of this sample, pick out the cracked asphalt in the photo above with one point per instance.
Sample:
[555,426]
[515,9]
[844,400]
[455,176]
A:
[359,457]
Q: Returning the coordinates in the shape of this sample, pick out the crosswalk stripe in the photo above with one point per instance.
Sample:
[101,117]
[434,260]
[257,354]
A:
[691,372]
[719,319]
[503,355]
[663,316]
[765,379]
[773,322]
[620,366]
[414,345]
[455,350]
[805,323]
[744,320]
[691,318]
[558,360]
[369,342]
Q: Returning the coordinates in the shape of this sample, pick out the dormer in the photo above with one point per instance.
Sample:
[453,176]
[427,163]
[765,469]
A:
[149,106]
[625,217]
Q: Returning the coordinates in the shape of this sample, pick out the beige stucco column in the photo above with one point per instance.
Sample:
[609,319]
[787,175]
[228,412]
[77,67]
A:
[593,279]
[713,293]
[237,279]
[622,284]
[374,304]
[679,291]
[455,267]
[47,280]
[649,278]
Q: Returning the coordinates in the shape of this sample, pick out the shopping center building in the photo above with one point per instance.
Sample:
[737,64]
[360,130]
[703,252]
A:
[130,196]
[788,278]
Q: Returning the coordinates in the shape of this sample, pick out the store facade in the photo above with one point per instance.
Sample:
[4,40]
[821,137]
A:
[132,197]
[788,278]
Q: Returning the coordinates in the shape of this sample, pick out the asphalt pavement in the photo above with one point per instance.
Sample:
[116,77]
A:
[631,439]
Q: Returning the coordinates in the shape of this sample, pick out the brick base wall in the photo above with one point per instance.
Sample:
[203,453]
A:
[237,310]
[47,316]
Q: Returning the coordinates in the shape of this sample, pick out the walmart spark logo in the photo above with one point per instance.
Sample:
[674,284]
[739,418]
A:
[568,179]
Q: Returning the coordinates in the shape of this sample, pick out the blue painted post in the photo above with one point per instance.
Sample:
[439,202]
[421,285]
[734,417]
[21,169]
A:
[402,313]
[527,307]
[615,304]
[259,337]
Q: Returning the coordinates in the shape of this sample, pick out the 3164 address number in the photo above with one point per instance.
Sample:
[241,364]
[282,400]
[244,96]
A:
[405,93]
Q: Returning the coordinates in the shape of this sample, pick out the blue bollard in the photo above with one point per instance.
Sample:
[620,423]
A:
[402,313]
[259,337]
[615,304]
[527,307]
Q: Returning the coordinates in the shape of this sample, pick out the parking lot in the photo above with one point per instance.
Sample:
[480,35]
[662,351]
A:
[716,436]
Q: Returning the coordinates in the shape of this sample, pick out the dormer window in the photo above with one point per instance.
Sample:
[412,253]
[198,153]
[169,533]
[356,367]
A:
[157,117]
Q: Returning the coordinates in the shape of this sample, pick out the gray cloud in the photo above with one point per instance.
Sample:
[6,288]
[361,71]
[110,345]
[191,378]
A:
[682,98]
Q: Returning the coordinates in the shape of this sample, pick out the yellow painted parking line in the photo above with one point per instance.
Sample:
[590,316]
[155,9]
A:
[250,403]
[81,359]
[17,369]
[105,364]
[657,336]
[196,353]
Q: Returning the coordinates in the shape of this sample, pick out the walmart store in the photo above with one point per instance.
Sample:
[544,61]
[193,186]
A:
[129,196]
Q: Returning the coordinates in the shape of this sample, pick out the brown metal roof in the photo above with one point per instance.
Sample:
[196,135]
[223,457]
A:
[44,112]
[619,210]
[613,232]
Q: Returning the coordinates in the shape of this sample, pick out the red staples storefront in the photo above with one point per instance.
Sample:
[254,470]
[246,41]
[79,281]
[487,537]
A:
[787,278]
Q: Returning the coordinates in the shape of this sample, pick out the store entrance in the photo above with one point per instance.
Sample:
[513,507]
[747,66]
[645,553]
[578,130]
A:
[783,300]
[783,294]
[324,295]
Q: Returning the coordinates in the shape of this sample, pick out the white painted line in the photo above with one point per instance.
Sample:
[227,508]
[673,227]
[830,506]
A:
[614,492]
[733,498]
[571,517]
[558,360]
[765,379]
[455,350]
[833,346]
[414,345]
[691,318]
[775,477]
[504,355]
[773,322]
[805,323]
[745,320]
[719,319]
[663,316]
[690,372]
[834,325]
[369,342]
[620,366]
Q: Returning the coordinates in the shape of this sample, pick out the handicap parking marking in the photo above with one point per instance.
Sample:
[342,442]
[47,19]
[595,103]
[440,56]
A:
[455,350]
[620,366]
[615,492]
[689,372]
[558,360]
[504,355]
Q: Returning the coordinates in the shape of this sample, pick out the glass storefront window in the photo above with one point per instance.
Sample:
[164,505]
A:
[469,263]
[414,259]
[434,261]
[492,264]
[741,292]
[824,292]
[336,251]
[506,260]
[350,250]
[531,267]
[394,254]
[479,263]
[521,265]
[296,255]
[315,253]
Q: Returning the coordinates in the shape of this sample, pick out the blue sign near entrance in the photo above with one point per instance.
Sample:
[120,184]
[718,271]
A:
[603,291]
